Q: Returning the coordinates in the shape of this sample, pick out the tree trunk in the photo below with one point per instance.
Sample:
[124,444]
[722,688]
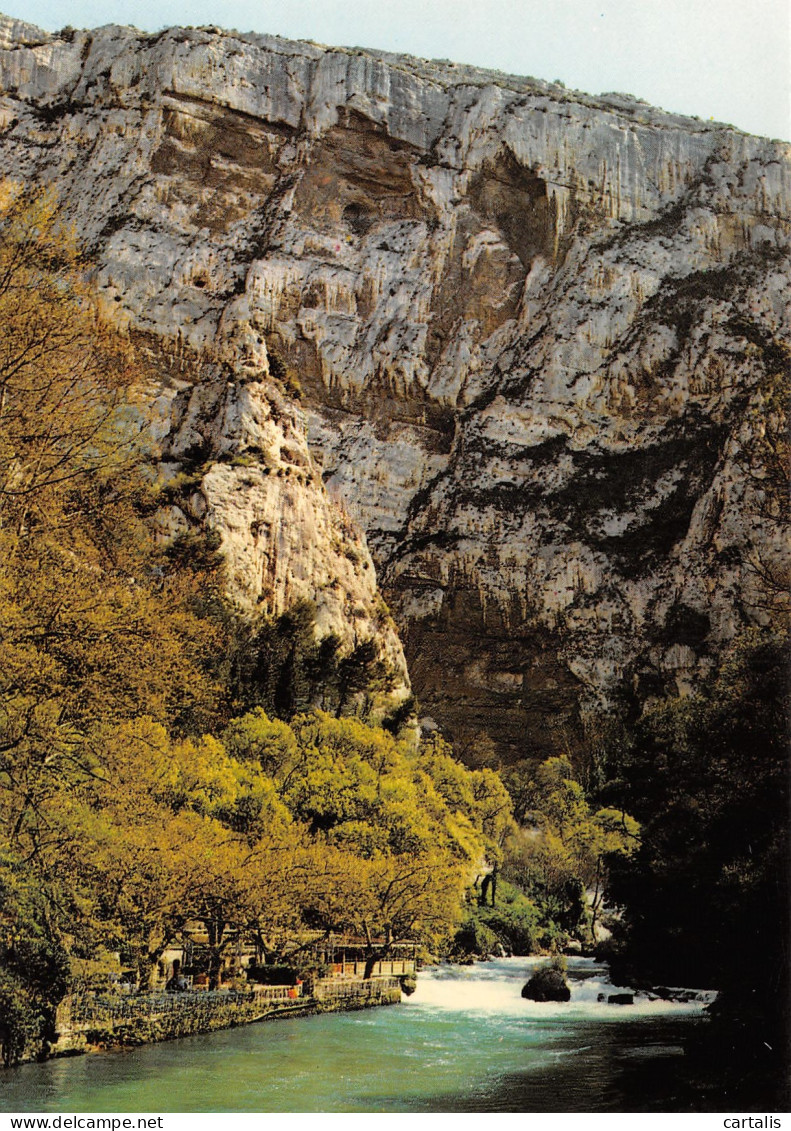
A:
[215,969]
[147,971]
[215,929]
[374,956]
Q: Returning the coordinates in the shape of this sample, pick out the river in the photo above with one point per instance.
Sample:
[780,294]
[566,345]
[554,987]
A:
[465,1041]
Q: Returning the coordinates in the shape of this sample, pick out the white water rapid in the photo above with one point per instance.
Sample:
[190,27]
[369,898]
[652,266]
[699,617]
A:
[495,987]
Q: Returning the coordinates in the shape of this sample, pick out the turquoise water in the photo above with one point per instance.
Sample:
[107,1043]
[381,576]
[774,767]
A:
[465,1041]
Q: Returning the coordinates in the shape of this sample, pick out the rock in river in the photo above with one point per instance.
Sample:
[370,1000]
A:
[547,984]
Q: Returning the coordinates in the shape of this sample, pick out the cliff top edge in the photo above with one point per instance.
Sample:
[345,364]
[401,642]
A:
[17,33]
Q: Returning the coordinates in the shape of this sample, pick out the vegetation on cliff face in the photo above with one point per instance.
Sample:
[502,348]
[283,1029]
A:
[162,761]
[133,797]
[278,664]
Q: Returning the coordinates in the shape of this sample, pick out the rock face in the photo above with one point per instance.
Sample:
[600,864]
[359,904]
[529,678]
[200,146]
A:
[547,984]
[233,457]
[535,334]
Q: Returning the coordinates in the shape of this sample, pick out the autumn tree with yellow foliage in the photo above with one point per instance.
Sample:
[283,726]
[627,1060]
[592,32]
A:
[86,637]
[131,802]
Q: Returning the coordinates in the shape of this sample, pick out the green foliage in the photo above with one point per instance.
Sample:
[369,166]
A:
[474,939]
[132,801]
[19,1022]
[400,716]
[704,901]
[40,964]
[562,855]
[513,924]
[34,967]
[708,776]
[476,796]
[279,664]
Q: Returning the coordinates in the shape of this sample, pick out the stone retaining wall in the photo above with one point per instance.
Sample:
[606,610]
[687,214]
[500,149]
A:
[92,1021]
[331,993]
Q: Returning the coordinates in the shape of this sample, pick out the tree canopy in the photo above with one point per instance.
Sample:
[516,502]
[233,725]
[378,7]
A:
[133,800]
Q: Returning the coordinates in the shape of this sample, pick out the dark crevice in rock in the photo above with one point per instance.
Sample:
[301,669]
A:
[515,199]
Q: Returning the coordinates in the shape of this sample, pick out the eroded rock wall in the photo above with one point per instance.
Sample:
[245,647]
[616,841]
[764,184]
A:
[534,333]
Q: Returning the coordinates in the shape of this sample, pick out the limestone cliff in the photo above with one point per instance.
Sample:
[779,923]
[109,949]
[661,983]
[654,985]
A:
[534,331]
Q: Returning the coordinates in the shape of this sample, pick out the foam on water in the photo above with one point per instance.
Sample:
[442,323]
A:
[465,1041]
[495,987]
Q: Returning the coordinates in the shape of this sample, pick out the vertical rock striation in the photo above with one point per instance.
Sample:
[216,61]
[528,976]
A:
[535,334]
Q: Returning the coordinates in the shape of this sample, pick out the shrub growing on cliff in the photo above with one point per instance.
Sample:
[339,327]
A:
[277,663]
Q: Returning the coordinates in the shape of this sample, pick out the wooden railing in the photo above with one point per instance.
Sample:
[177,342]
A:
[383,968]
[371,990]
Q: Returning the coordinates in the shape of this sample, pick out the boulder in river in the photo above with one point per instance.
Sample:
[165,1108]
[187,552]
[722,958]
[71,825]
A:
[681,995]
[547,984]
[620,999]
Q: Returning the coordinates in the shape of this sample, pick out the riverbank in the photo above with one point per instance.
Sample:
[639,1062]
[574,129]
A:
[465,1041]
[86,1023]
